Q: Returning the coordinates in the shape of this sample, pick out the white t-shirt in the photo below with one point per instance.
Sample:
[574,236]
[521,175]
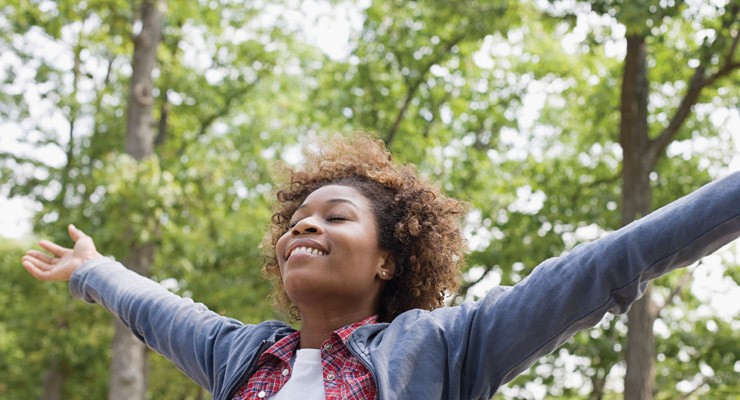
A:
[307,380]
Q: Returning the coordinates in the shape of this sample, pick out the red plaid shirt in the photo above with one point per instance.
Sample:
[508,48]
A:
[345,377]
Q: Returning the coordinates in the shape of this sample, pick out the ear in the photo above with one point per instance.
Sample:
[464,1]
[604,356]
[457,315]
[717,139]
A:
[387,267]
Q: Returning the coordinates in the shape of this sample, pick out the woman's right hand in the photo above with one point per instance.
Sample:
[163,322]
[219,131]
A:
[63,261]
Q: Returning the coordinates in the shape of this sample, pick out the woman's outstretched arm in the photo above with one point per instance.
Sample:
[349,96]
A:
[194,338]
[510,329]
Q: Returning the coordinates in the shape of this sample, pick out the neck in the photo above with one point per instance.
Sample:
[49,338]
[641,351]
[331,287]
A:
[317,327]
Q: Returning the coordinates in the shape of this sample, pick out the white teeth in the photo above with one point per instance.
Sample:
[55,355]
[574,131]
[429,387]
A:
[307,250]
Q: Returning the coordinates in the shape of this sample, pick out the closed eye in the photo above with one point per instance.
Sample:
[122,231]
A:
[336,217]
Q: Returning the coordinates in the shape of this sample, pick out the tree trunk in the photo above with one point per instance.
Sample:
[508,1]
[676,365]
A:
[53,381]
[127,367]
[640,349]
[139,132]
[638,161]
[128,363]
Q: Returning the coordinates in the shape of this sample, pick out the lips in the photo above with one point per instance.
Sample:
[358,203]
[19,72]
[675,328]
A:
[305,246]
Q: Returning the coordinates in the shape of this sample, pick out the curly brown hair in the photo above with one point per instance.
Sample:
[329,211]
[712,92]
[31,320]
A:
[417,223]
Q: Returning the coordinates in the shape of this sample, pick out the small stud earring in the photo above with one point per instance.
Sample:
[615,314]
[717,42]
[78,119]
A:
[383,274]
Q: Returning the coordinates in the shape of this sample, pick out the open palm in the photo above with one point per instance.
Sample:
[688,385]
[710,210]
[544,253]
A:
[63,261]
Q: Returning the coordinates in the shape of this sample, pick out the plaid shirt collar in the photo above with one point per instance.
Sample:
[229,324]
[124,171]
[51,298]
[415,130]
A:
[274,368]
[285,348]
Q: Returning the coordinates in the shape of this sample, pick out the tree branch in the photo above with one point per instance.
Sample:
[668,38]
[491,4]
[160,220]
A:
[415,86]
[223,110]
[687,395]
[697,83]
[464,287]
[606,179]
[685,279]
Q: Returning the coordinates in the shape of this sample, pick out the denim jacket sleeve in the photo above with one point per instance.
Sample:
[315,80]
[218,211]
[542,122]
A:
[183,331]
[507,331]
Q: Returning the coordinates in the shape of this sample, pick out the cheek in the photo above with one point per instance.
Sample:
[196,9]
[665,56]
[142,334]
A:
[280,247]
[366,250]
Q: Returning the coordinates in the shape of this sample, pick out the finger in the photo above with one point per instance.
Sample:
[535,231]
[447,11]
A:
[42,256]
[35,271]
[75,233]
[54,248]
[37,263]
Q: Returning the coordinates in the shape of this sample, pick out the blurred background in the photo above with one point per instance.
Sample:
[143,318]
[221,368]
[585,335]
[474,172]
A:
[155,125]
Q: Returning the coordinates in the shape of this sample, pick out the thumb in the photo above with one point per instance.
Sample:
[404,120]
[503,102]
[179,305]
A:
[75,233]
[84,247]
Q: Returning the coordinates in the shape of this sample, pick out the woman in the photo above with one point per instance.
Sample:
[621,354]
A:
[362,251]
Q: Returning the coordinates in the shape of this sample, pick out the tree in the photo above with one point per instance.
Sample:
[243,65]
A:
[128,363]
[190,201]
[654,113]
[643,145]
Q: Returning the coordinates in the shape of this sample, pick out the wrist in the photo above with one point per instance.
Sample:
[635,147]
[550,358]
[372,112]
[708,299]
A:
[90,257]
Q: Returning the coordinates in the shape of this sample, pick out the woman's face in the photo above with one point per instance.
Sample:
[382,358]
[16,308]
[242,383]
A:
[330,254]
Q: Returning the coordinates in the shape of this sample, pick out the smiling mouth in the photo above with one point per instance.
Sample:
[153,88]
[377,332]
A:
[306,250]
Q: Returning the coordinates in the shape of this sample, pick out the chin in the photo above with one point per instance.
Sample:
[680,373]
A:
[300,286]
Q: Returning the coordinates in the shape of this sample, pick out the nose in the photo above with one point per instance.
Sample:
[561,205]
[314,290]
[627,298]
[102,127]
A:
[306,225]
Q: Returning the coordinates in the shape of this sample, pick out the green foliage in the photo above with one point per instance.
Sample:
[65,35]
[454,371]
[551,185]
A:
[409,61]
[41,327]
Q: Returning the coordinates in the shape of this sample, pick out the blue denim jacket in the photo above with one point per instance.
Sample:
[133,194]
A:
[462,352]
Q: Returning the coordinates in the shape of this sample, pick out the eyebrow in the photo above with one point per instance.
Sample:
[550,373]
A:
[334,200]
